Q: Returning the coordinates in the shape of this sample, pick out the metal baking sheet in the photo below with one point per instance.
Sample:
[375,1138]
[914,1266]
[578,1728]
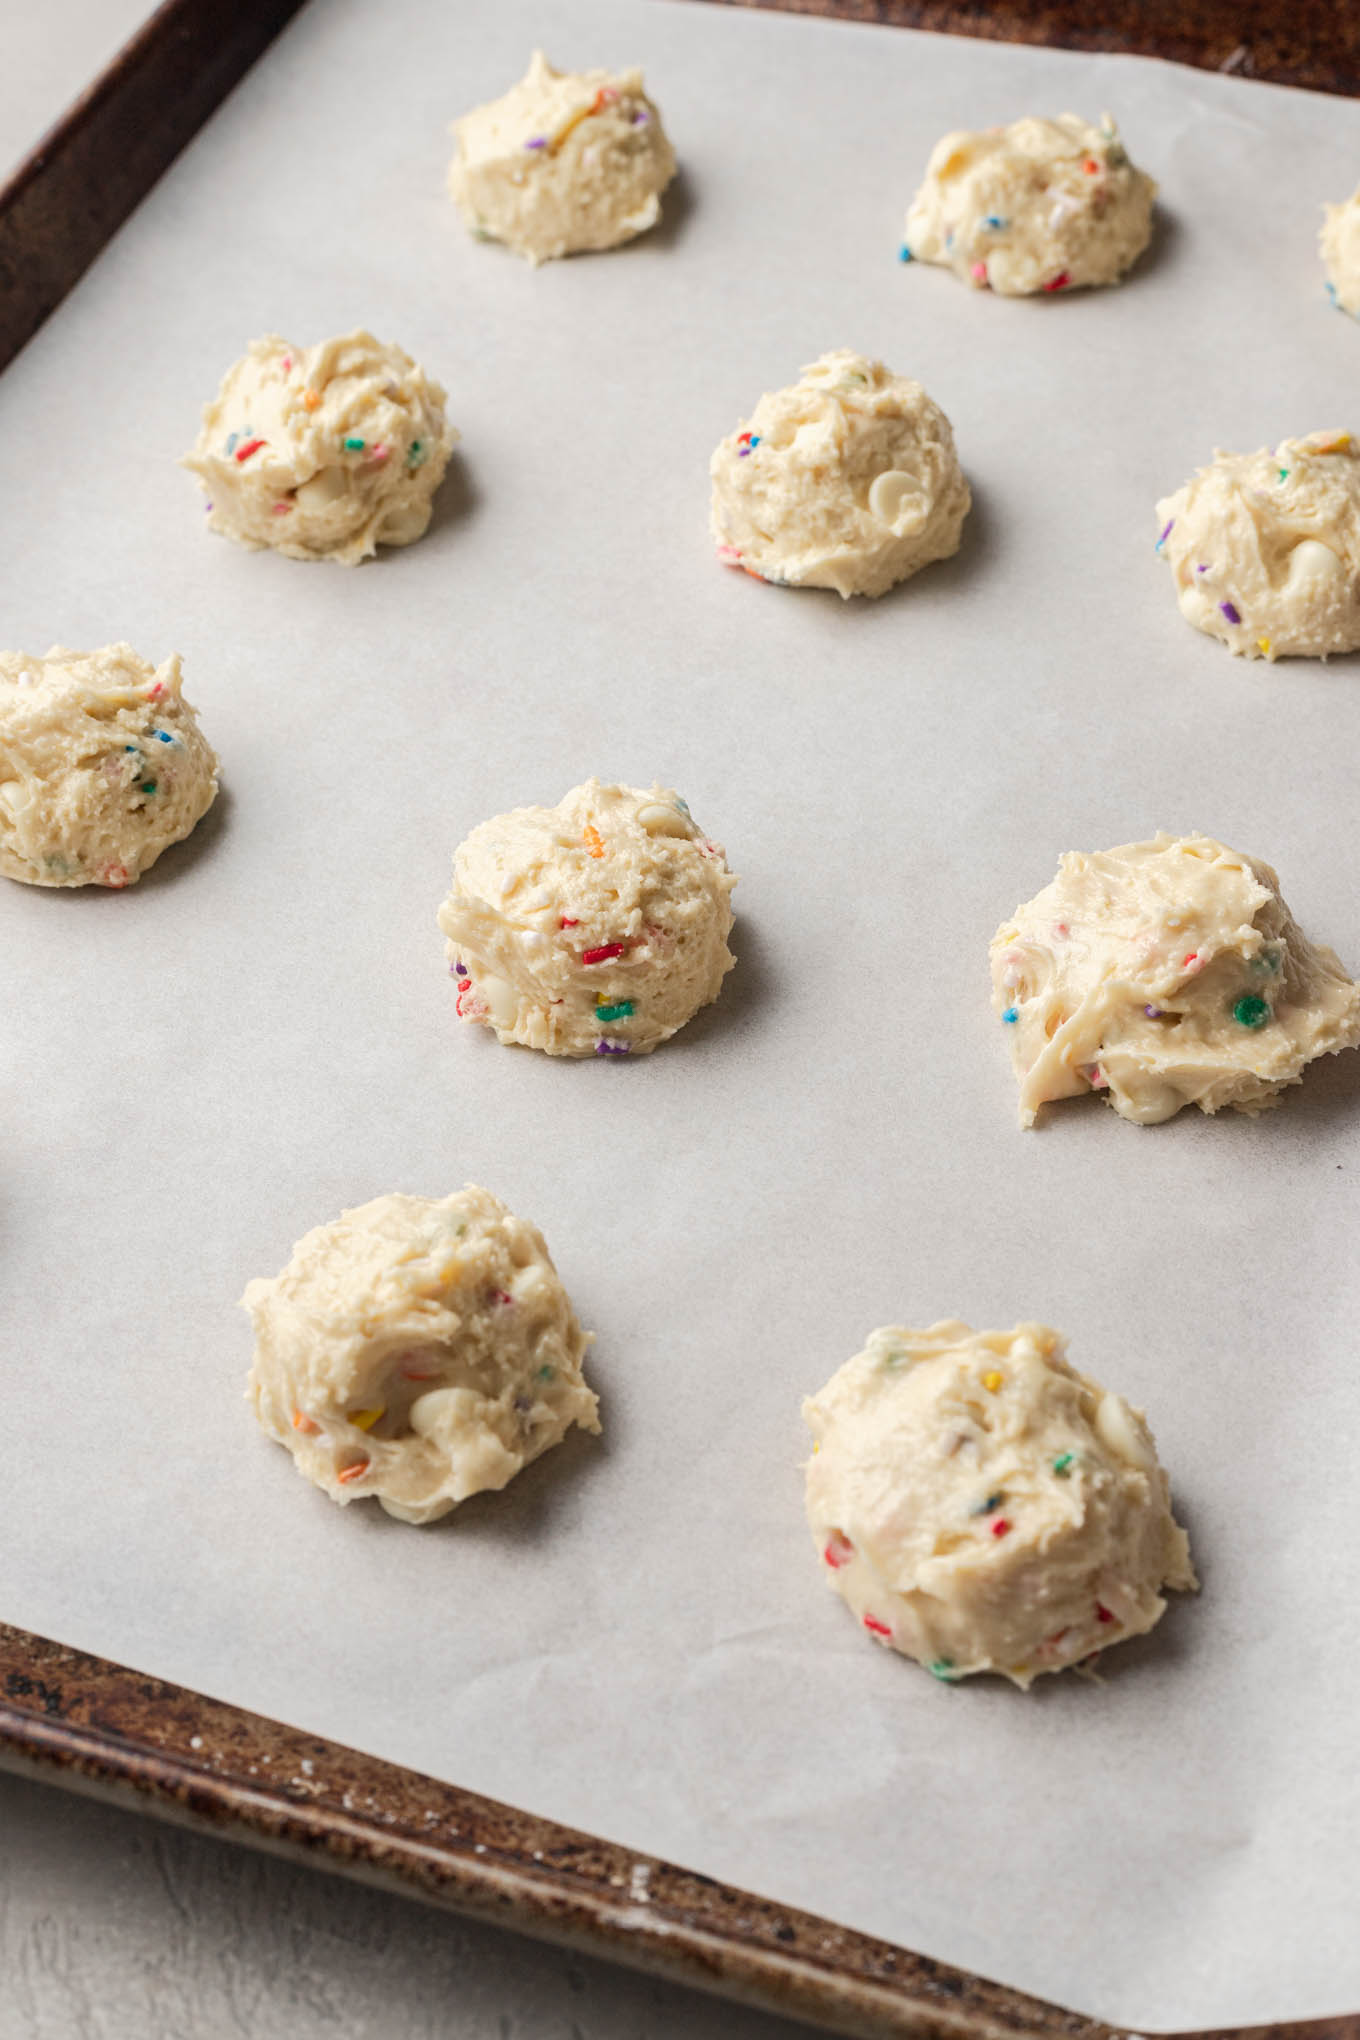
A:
[634,1638]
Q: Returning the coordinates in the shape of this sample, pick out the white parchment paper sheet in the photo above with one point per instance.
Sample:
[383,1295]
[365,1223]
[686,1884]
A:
[636,1638]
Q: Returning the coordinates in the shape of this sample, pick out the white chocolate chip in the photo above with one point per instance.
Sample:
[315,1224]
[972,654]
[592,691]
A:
[326,486]
[1312,564]
[1117,1427]
[501,999]
[659,820]
[896,499]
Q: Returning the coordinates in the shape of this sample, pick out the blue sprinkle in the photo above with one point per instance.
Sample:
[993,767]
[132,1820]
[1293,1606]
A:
[129,747]
[1165,535]
[755,439]
[1330,289]
[904,254]
[231,443]
[165,736]
[994,220]
[949,239]
[1011,1015]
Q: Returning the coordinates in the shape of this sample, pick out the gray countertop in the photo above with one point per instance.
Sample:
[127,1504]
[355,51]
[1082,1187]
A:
[116,1927]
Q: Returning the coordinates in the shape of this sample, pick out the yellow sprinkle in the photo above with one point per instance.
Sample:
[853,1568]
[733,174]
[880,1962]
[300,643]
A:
[992,1382]
[1337,443]
[364,1420]
[312,399]
[816,1448]
[1263,645]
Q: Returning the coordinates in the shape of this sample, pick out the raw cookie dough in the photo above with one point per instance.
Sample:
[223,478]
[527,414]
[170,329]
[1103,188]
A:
[418,1349]
[982,1507]
[1166,973]
[102,765]
[323,453]
[1265,548]
[596,927]
[1339,241]
[1041,205]
[567,161]
[847,480]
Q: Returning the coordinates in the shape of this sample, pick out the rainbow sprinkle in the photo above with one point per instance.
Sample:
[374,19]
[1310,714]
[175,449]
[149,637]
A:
[1231,612]
[904,254]
[1059,282]
[353,445]
[603,954]
[1251,1012]
[417,453]
[251,446]
[993,1380]
[623,1010]
[1170,525]
[1011,1015]
[612,1047]
[942,1668]
[1062,1465]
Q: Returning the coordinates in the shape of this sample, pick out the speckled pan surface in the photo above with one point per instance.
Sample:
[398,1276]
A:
[100,1728]
[74,1715]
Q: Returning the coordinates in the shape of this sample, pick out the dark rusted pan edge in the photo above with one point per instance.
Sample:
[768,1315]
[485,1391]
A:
[82,1722]
[73,191]
[1315,43]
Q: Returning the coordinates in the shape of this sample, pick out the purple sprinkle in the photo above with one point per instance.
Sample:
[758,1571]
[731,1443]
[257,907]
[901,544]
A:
[1230,612]
[538,142]
[1153,1012]
[1201,570]
[1165,535]
[640,118]
[460,970]
[611,1048]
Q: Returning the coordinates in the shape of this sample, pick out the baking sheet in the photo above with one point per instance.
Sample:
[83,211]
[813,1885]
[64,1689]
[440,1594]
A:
[635,1637]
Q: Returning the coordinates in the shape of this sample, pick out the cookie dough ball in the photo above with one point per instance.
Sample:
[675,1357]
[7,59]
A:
[567,161]
[1340,245]
[323,453]
[418,1349]
[102,765]
[1265,548]
[1165,974]
[1041,205]
[596,927]
[847,480]
[982,1507]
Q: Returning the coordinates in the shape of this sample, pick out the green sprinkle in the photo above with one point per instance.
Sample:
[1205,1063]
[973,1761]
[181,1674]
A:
[148,786]
[1062,1464]
[943,1668]
[623,1010]
[1251,1012]
[992,1502]
[546,1373]
[1284,474]
[354,446]
[417,453]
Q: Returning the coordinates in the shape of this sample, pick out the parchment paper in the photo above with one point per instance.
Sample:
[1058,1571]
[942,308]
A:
[636,1637]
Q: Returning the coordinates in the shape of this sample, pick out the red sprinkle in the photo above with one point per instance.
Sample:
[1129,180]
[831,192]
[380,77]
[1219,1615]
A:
[244,453]
[839,1550]
[876,1628]
[1091,167]
[603,954]
[567,922]
[1000,1527]
[1103,1613]
[1058,283]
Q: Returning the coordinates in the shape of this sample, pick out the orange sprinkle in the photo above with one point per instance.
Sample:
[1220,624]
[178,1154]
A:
[593,840]
[353,1472]
[304,1423]
[1091,167]
[312,399]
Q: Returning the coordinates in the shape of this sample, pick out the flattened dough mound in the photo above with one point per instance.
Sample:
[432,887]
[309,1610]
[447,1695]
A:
[418,1349]
[1041,205]
[1265,548]
[596,927]
[102,765]
[1166,973]
[848,479]
[323,453]
[566,162]
[1340,245]
[982,1507]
